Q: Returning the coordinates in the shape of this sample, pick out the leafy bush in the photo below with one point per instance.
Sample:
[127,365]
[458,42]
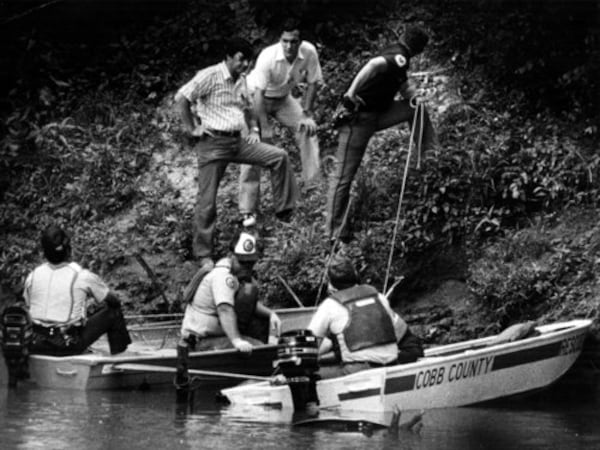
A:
[529,274]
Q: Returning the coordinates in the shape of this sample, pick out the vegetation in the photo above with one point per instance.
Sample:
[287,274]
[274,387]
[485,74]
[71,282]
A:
[90,140]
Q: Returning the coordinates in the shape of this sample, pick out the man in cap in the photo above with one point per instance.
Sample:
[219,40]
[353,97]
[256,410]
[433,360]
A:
[369,105]
[358,325]
[225,301]
[58,293]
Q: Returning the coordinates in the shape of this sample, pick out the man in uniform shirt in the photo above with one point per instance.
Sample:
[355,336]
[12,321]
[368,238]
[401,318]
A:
[279,69]
[369,105]
[58,294]
[214,108]
[224,301]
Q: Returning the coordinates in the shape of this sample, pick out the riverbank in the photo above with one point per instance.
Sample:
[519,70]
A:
[498,226]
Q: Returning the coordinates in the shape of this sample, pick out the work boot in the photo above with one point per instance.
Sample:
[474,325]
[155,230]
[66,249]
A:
[248,220]
[182,377]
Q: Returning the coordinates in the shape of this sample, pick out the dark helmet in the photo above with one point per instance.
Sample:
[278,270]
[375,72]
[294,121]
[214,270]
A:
[56,244]
[341,272]
[415,38]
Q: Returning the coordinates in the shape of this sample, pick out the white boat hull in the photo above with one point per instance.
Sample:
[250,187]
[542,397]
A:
[152,346]
[448,376]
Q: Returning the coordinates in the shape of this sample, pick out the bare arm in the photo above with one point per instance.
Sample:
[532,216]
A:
[183,105]
[228,321]
[309,97]
[274,320]
[260,110]
[263,311]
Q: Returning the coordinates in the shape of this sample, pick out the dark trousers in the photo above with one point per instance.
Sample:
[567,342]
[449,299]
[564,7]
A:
[410,348]
[352,143]
[214,154]
[75,340]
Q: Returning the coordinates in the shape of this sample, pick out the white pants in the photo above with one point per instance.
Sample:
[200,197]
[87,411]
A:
[288,112]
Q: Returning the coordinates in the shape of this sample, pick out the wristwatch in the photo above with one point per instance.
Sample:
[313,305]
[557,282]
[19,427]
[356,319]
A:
[255,128]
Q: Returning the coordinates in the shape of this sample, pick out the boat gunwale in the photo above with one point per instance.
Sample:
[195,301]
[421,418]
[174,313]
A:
[93,359]
[549,333]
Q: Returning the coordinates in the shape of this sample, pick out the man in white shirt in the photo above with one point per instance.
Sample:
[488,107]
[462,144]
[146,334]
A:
[358,325]
[279,69]
[58,294]
[214,109]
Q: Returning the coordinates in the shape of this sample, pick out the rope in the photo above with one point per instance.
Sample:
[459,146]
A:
[332,250]
[29,11]
[420,107]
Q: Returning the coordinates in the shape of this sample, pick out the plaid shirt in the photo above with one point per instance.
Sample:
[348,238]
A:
[216,98]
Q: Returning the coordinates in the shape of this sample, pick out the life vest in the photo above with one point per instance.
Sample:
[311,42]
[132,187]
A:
[51,295]
[245,304]
[369,323]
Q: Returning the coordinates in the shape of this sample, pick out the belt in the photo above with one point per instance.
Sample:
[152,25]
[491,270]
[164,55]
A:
[223,133]
[275,98]
[56,330]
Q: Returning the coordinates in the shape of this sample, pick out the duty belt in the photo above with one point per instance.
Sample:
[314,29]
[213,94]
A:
[57,329]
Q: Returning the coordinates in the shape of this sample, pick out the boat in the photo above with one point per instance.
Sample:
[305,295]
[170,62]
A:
[451,375]
[149,361]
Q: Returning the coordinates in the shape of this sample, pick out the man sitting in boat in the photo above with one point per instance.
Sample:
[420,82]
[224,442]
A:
[58,294]
[224,303]
[358,326]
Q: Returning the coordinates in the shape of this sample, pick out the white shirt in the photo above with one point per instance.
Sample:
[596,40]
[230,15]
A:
[59,294]
[277,77]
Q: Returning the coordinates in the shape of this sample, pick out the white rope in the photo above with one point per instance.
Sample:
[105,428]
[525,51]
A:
[332,250]
[402,190]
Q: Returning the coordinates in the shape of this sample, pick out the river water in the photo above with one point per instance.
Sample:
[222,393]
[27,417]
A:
[566,416]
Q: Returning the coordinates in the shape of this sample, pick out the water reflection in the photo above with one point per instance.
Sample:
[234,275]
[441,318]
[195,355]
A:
[36,418]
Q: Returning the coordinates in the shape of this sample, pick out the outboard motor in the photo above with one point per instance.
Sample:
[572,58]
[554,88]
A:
[297,358]
[15,336]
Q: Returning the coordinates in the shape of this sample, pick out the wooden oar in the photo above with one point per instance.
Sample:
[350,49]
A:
[290,290]
[167,369]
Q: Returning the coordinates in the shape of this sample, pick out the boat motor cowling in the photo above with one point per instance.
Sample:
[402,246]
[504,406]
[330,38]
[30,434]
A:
[297,359]
[15,336]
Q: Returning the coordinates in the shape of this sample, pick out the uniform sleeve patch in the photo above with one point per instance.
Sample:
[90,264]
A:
[400,60]
[230,282]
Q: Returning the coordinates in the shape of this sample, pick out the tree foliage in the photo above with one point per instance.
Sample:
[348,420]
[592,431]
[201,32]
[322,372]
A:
[84,118]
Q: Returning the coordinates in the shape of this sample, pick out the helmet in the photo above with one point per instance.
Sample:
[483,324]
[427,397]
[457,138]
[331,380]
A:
[245,247]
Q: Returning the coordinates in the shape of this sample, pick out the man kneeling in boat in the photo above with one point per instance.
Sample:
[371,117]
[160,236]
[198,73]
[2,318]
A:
[358,325]
[224,303]
[58,294]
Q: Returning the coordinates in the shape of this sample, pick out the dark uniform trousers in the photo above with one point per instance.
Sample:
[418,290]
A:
[74,340]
